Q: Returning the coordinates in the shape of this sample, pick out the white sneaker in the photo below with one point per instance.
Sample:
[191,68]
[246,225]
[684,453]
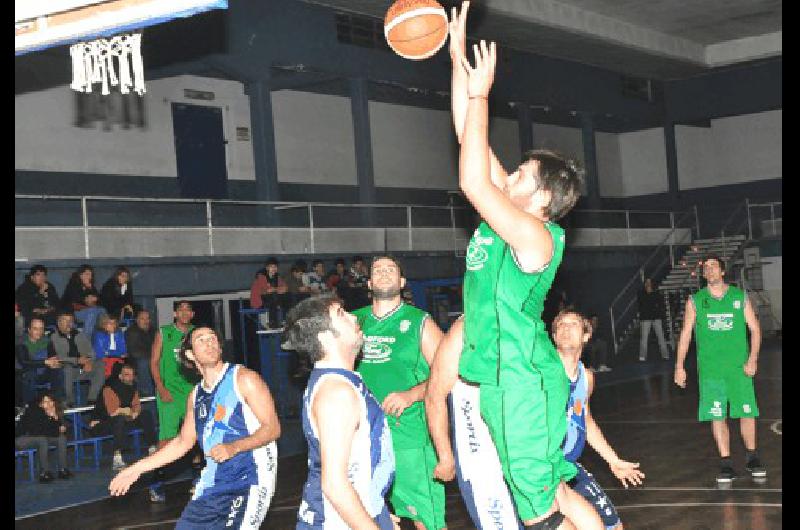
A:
[603,368]
[118,464]
[152,449]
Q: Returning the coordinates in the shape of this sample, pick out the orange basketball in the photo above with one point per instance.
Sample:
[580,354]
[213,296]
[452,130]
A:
[415,29]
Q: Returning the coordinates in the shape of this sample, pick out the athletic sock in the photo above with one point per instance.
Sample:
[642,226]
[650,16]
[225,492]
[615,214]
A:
[725,461]
[750,455]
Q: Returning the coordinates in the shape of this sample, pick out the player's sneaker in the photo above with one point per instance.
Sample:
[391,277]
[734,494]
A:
[118,464]
[755,468]
[156,493]
[726,474]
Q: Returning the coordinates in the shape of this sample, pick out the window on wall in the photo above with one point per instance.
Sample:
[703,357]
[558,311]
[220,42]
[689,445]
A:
[360,31]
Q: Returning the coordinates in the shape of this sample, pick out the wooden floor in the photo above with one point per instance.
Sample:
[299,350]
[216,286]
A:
[648,420]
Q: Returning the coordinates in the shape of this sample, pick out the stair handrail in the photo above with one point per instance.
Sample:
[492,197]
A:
[640,271]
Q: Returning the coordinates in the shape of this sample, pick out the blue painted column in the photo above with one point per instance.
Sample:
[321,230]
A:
[359,105]
[673,184]
[263,139]
[590,160]
[523,111]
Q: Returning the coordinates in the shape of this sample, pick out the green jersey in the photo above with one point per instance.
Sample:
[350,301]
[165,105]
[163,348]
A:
[503,330]
[169,365]
[392,362]
[720,331]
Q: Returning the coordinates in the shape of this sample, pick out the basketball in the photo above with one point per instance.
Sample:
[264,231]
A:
[415,29]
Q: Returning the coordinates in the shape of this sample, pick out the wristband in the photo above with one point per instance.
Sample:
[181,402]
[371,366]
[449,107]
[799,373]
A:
[479,97]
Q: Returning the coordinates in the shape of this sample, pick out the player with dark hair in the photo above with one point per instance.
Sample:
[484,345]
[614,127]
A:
[350,458]
[232,414]
[720,315]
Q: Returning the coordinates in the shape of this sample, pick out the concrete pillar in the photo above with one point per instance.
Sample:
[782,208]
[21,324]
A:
[359,104]
[673,184]
[523,111]
[263,140]
[590,160]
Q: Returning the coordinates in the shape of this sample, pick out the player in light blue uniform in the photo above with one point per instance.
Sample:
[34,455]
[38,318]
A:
[570,332]
[232,414]
[350,456]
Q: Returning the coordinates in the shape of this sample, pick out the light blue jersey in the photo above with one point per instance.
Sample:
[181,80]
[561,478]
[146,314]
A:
[575,440]
[222,416]
[371,464]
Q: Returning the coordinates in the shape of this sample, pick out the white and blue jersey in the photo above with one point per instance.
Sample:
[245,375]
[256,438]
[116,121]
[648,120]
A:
[574,443]
[576,416]
[235,493]
[371,465]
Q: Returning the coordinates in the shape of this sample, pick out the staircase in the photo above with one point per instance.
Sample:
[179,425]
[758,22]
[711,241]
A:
[685,276]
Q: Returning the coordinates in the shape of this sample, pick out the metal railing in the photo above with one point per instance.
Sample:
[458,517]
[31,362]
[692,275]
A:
[663,257]
[756,220]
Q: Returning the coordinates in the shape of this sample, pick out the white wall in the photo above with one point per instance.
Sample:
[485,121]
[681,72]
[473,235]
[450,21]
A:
[609,164]
[45,138]
[314,138]
[565,140]
[773,284]
[733,150]
[644,162]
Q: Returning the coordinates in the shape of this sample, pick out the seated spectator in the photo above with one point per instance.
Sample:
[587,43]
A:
[19,326]
[80,284]
[139,338]
[90,314]
[37,296]
[34,364]
[314,280]
[41,425]
[268,290]
[302,265]
[334,277]
[108,343]
[74,351]
[119,411]
[117,294]
[297,289]
[597,346]
[357,284]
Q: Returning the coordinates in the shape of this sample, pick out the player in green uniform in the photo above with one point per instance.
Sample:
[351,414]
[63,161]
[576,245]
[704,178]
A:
[399,344]
[511,261]
[172,386]
[719,315]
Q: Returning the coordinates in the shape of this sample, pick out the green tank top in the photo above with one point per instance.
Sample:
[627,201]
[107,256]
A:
[504,336]
[392,361]
[169,365]
[720,331]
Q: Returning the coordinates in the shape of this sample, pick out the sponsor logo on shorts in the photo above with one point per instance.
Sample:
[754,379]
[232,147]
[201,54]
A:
[720,321]
[737,304]
[404,325]
[472,435]
[306,514]
[746,408]
[716,410]
[261,508]
[235,506]
[495,510]
[476,254]
[412,510]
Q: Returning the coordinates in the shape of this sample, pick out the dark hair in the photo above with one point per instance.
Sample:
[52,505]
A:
[301,264]
[294,268]
[187,364]
[139,311]
[587,325]
[317,262]
[37,268]
[358,258]
[338,261]
[390,258]
[119,270]
[64,312]
[716,258]
[272,261]
[177,303]
[560,177]
[304,322]
[58,403]
[36,317]
[75,277]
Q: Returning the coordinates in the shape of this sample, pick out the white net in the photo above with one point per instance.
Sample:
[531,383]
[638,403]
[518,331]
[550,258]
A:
[110,62]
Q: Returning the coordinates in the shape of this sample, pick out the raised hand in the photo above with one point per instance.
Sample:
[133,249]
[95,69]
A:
[458,33]
[481,77]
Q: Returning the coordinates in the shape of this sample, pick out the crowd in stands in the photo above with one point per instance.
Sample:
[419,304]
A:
[277,294]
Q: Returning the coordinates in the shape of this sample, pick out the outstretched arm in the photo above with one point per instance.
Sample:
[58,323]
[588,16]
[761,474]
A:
[526,234]
[459,99]
[444,373]
[624,471]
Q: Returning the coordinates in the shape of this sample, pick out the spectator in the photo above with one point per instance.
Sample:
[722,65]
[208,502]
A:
[269,291]
[302,265]
[34,365]
[651,313]
[357,284]
[139,338]
[19,326]
[597,346]
[297,289]
[90,314]
[119,411]
[108,343]
[117,294]
[74,351]
[335,276]
[42,424]
[314,280]
[37,296]
[80,285]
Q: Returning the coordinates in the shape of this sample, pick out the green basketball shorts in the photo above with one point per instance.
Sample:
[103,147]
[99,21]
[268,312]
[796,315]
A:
[729,388]
[170,415]
[415,494]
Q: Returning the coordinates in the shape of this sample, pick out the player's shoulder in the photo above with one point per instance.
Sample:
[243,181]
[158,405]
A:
[363,312]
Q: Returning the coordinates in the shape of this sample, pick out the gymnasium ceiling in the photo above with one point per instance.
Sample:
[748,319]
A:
[659,39]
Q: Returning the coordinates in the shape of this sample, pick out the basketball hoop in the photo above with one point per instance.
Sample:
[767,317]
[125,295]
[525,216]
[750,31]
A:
[93,62]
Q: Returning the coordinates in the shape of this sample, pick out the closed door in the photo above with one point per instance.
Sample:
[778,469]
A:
[200,151]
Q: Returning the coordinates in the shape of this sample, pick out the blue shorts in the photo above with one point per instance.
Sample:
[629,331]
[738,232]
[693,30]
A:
[585,484]
[243,509]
